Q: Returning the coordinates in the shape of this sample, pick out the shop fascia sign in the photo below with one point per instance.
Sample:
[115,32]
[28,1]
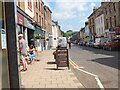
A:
[20,19]
[28,24]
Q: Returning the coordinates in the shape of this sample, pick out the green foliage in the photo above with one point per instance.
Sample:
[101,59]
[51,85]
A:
[68,33]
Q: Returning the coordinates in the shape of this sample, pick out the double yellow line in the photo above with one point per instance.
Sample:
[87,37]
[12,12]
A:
[73,64]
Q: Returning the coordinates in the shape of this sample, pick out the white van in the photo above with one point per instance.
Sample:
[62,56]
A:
[62,41]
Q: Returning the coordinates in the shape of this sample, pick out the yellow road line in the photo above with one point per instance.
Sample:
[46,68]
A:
[74,64]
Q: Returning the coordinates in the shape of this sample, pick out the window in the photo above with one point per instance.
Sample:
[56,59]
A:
[36,4]
[106,23]
[30,5]
[109,9]
[106,11]
[39,6]
[40,20]
[114,6]
[101,19]
[110,22]
[37,17]
[115,20]
[18,3]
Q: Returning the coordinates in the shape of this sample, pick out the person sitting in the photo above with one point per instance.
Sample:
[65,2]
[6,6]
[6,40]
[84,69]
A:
[31,53]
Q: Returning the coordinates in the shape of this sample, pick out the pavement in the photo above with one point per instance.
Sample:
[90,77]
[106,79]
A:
[43,74]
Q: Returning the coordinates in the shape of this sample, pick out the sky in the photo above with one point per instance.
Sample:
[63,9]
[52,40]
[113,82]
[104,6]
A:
[71,14]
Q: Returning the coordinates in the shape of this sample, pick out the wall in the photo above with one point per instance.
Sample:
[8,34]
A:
[30,12]
[99,25]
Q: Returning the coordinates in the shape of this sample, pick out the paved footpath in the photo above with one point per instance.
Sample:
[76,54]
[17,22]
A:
[43,74]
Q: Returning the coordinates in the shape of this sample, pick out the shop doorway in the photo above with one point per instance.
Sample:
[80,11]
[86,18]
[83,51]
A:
[30,37]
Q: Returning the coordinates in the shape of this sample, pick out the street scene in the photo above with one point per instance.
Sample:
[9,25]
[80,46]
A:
[98,62]
[60,44]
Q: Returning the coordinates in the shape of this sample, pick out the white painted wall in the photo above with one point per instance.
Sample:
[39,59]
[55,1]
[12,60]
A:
[86,30]
[55,35]
[27,10]
[99,25]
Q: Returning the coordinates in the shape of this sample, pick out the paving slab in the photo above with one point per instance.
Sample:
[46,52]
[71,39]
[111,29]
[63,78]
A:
[43,74]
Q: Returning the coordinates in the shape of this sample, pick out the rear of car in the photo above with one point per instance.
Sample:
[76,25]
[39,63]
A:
[112,44]
[102,41]
[91,43]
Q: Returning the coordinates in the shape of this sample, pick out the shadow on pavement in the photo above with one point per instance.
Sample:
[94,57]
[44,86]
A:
[51,62]
[113,61]
[53,69]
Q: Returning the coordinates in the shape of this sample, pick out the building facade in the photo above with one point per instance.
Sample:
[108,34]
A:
[48,26]
[87,32]
[111,17]
[99,25]
[91,24]
[56,33]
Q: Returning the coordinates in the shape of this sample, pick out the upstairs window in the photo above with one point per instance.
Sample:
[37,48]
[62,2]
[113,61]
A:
[30,5]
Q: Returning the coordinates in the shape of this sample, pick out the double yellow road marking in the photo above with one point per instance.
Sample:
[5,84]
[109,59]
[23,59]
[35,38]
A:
[73,64]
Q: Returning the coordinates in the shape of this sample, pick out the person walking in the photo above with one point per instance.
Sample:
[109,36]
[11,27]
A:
[69,43]
[23,51]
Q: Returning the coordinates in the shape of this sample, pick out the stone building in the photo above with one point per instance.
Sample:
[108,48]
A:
[111,12]
[91,24]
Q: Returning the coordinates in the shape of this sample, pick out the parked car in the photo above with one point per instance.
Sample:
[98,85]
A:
[112,44]
[87,43]
[80,43]
[91,43]
[102,41]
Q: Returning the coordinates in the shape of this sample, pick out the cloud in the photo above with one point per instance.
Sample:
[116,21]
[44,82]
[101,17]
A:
[68,10]
[71,14]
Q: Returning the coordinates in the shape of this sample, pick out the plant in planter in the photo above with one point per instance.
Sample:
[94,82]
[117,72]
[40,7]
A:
[47,39]
[38,36]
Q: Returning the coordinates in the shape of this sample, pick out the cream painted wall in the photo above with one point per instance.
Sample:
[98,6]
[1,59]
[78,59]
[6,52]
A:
[27,10]
[99,24]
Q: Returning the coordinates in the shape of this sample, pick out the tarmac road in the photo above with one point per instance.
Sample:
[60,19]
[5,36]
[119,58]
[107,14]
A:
[102,63]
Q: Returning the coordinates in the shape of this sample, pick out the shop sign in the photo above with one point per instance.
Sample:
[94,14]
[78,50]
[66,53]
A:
[29,25]
[117,30]
[20,19]
[25,22]
[3,39]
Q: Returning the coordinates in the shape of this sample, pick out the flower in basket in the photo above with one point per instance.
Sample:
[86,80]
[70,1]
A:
[38,36]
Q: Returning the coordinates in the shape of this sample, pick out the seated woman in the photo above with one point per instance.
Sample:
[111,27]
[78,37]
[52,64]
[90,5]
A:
[31,53]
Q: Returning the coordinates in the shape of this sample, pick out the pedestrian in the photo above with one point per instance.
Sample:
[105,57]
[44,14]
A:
[69,43]
[23,52]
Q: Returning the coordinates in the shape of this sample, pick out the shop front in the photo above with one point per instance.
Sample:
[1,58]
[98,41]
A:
[9,71]
[25,27]
[29,31]
[4,72]
[117,31]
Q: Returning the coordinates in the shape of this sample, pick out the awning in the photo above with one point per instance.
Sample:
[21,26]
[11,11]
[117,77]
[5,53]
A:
[27,23]
[38,30]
